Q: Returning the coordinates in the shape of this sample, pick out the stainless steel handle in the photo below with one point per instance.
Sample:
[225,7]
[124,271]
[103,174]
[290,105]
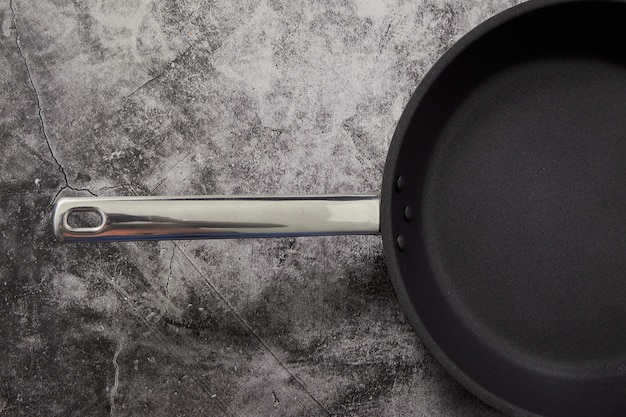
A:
[217,217]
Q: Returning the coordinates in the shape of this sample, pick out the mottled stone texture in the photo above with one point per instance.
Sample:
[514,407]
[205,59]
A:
[138,97]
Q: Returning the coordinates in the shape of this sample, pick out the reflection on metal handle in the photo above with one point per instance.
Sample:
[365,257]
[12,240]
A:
[216,217]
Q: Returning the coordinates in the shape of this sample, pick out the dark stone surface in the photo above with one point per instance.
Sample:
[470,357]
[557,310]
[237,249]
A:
[209,97]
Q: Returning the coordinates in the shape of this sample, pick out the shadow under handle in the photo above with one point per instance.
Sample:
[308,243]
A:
[216,217]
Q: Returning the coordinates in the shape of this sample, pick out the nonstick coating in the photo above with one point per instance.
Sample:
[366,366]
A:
[504,209]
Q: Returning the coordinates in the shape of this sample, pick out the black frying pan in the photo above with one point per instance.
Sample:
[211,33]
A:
[511,155]
[503,210]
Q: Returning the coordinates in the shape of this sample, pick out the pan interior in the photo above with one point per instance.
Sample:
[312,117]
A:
[513,152]
[524,208]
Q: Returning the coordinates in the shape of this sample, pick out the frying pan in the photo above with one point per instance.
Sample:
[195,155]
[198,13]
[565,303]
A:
[502,212]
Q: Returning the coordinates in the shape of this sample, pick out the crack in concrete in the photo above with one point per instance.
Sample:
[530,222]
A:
[42,121]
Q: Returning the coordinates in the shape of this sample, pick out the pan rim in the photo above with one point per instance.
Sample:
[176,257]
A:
[389,188]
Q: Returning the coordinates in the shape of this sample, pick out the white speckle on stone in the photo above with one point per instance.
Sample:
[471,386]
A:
[373,9]
[6,25]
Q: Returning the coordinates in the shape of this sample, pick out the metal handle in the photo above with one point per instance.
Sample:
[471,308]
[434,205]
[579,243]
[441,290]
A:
[217,217]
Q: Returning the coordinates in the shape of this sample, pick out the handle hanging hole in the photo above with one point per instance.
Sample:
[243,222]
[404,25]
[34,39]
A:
[84,220]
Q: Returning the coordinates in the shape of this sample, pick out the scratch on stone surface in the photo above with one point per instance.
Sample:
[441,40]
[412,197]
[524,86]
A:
[255,334]
[163,341]
[160,74]
[251,269]
[42,120]
[168,171]
[116,382]
[156,77]
[130,186]
[113,187]
[384,39]
[364,161]
[158,185]
[167,284]
[22,193]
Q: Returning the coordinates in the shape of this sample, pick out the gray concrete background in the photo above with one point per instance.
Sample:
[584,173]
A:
[140,97]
